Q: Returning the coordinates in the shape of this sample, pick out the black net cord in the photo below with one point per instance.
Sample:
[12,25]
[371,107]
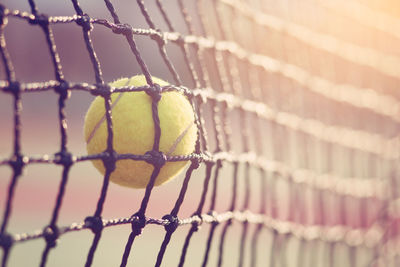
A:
[202,144]
[245,223]
[232,208]
[226,72]
[227,136]
[160,42]
[110,161]
[65,158]
[194,227]
[197,78]
[233,75]
[183,190]
[157,158]
[257,232]
[263,187]
[182,45]
[245,129]
[173,215]
[95,222]
[15,165]
[45,254]
[52,233]
[52,47]
[43,22]
[199,57]
[127,249]
[17,159]
[92,250]
[5,56]
[138,227]
[192,230]
[272,211]
[218,127]
[167,21]
[86,28]
[132,44]
[109,164]
[203,81]
[274,249]
[208,244]
[211,210]
[33,6]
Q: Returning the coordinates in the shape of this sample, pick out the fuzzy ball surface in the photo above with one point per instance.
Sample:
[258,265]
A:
[133,129]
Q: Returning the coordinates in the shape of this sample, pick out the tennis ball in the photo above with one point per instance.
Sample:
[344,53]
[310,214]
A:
[133,129]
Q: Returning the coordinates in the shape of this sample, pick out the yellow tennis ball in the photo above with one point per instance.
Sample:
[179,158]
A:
[133,129]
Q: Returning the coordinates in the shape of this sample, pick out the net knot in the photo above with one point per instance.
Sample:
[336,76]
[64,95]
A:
[214,215]
[196,222]
[195,226]
[51,234]
[173,223]
[110,160]
[40,19]
[201,98]
[17,163]
[219,163]
[101,90]
[6,241]
[94,223]
[3,18]
[189,95]
[138,223]
[155,92]
[124,29]
[64,158]
[180,40]
[155,158]
[84,22]
[158,37]
[207,157]
[195,163]
[13,88]
[62,89]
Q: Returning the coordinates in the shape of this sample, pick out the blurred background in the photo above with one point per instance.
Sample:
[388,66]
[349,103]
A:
[345,42]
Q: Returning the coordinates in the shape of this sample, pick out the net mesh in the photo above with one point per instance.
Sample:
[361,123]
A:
[297,109]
